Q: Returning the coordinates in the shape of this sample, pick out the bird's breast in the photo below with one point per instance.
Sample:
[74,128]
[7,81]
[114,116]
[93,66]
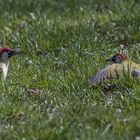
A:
[4,70]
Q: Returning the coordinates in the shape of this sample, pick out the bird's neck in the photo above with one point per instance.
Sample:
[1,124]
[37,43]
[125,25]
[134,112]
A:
[4,59]
[5,66]
[125,60]
[5,62]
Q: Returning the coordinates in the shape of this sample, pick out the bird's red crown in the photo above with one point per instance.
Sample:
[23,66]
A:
[122,56]
[5,50]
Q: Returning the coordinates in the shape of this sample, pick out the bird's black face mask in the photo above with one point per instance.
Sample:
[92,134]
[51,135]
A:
[11,53]
[115,59]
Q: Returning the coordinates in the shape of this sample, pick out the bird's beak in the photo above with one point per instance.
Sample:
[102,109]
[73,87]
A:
[13,52]
[16,52]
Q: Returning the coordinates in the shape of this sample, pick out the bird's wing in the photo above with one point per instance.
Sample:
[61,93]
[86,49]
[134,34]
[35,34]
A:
[110,72]
[136,70]
[102,75]
[136,73]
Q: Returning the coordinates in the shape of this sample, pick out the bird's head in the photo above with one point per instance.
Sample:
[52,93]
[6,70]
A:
[119,58]
[6,53]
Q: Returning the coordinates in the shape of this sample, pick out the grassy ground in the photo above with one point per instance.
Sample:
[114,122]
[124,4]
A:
[65,42]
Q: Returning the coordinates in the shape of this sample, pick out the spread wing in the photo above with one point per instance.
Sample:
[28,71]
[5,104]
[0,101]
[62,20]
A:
[99,77]
[113,71]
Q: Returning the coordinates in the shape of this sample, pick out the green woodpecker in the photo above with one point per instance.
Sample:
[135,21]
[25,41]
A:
[5,55]
[122,66]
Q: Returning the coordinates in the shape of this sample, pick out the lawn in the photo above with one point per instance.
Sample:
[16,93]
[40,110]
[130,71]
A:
[64,43]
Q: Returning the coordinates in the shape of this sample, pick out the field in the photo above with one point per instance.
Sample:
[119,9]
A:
[64,43]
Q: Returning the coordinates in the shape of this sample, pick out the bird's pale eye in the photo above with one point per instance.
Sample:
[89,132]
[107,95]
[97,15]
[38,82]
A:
[118,59]
[10,53]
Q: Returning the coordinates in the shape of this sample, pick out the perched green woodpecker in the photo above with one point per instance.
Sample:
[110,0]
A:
[5,55]
[121,66]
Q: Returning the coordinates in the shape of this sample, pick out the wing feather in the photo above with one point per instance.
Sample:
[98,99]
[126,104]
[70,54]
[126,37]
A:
[136,73]
[111,72]
[136,70]
[102,75]
[116,70]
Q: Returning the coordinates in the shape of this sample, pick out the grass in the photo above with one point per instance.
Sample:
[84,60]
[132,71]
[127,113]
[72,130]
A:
[65,43]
